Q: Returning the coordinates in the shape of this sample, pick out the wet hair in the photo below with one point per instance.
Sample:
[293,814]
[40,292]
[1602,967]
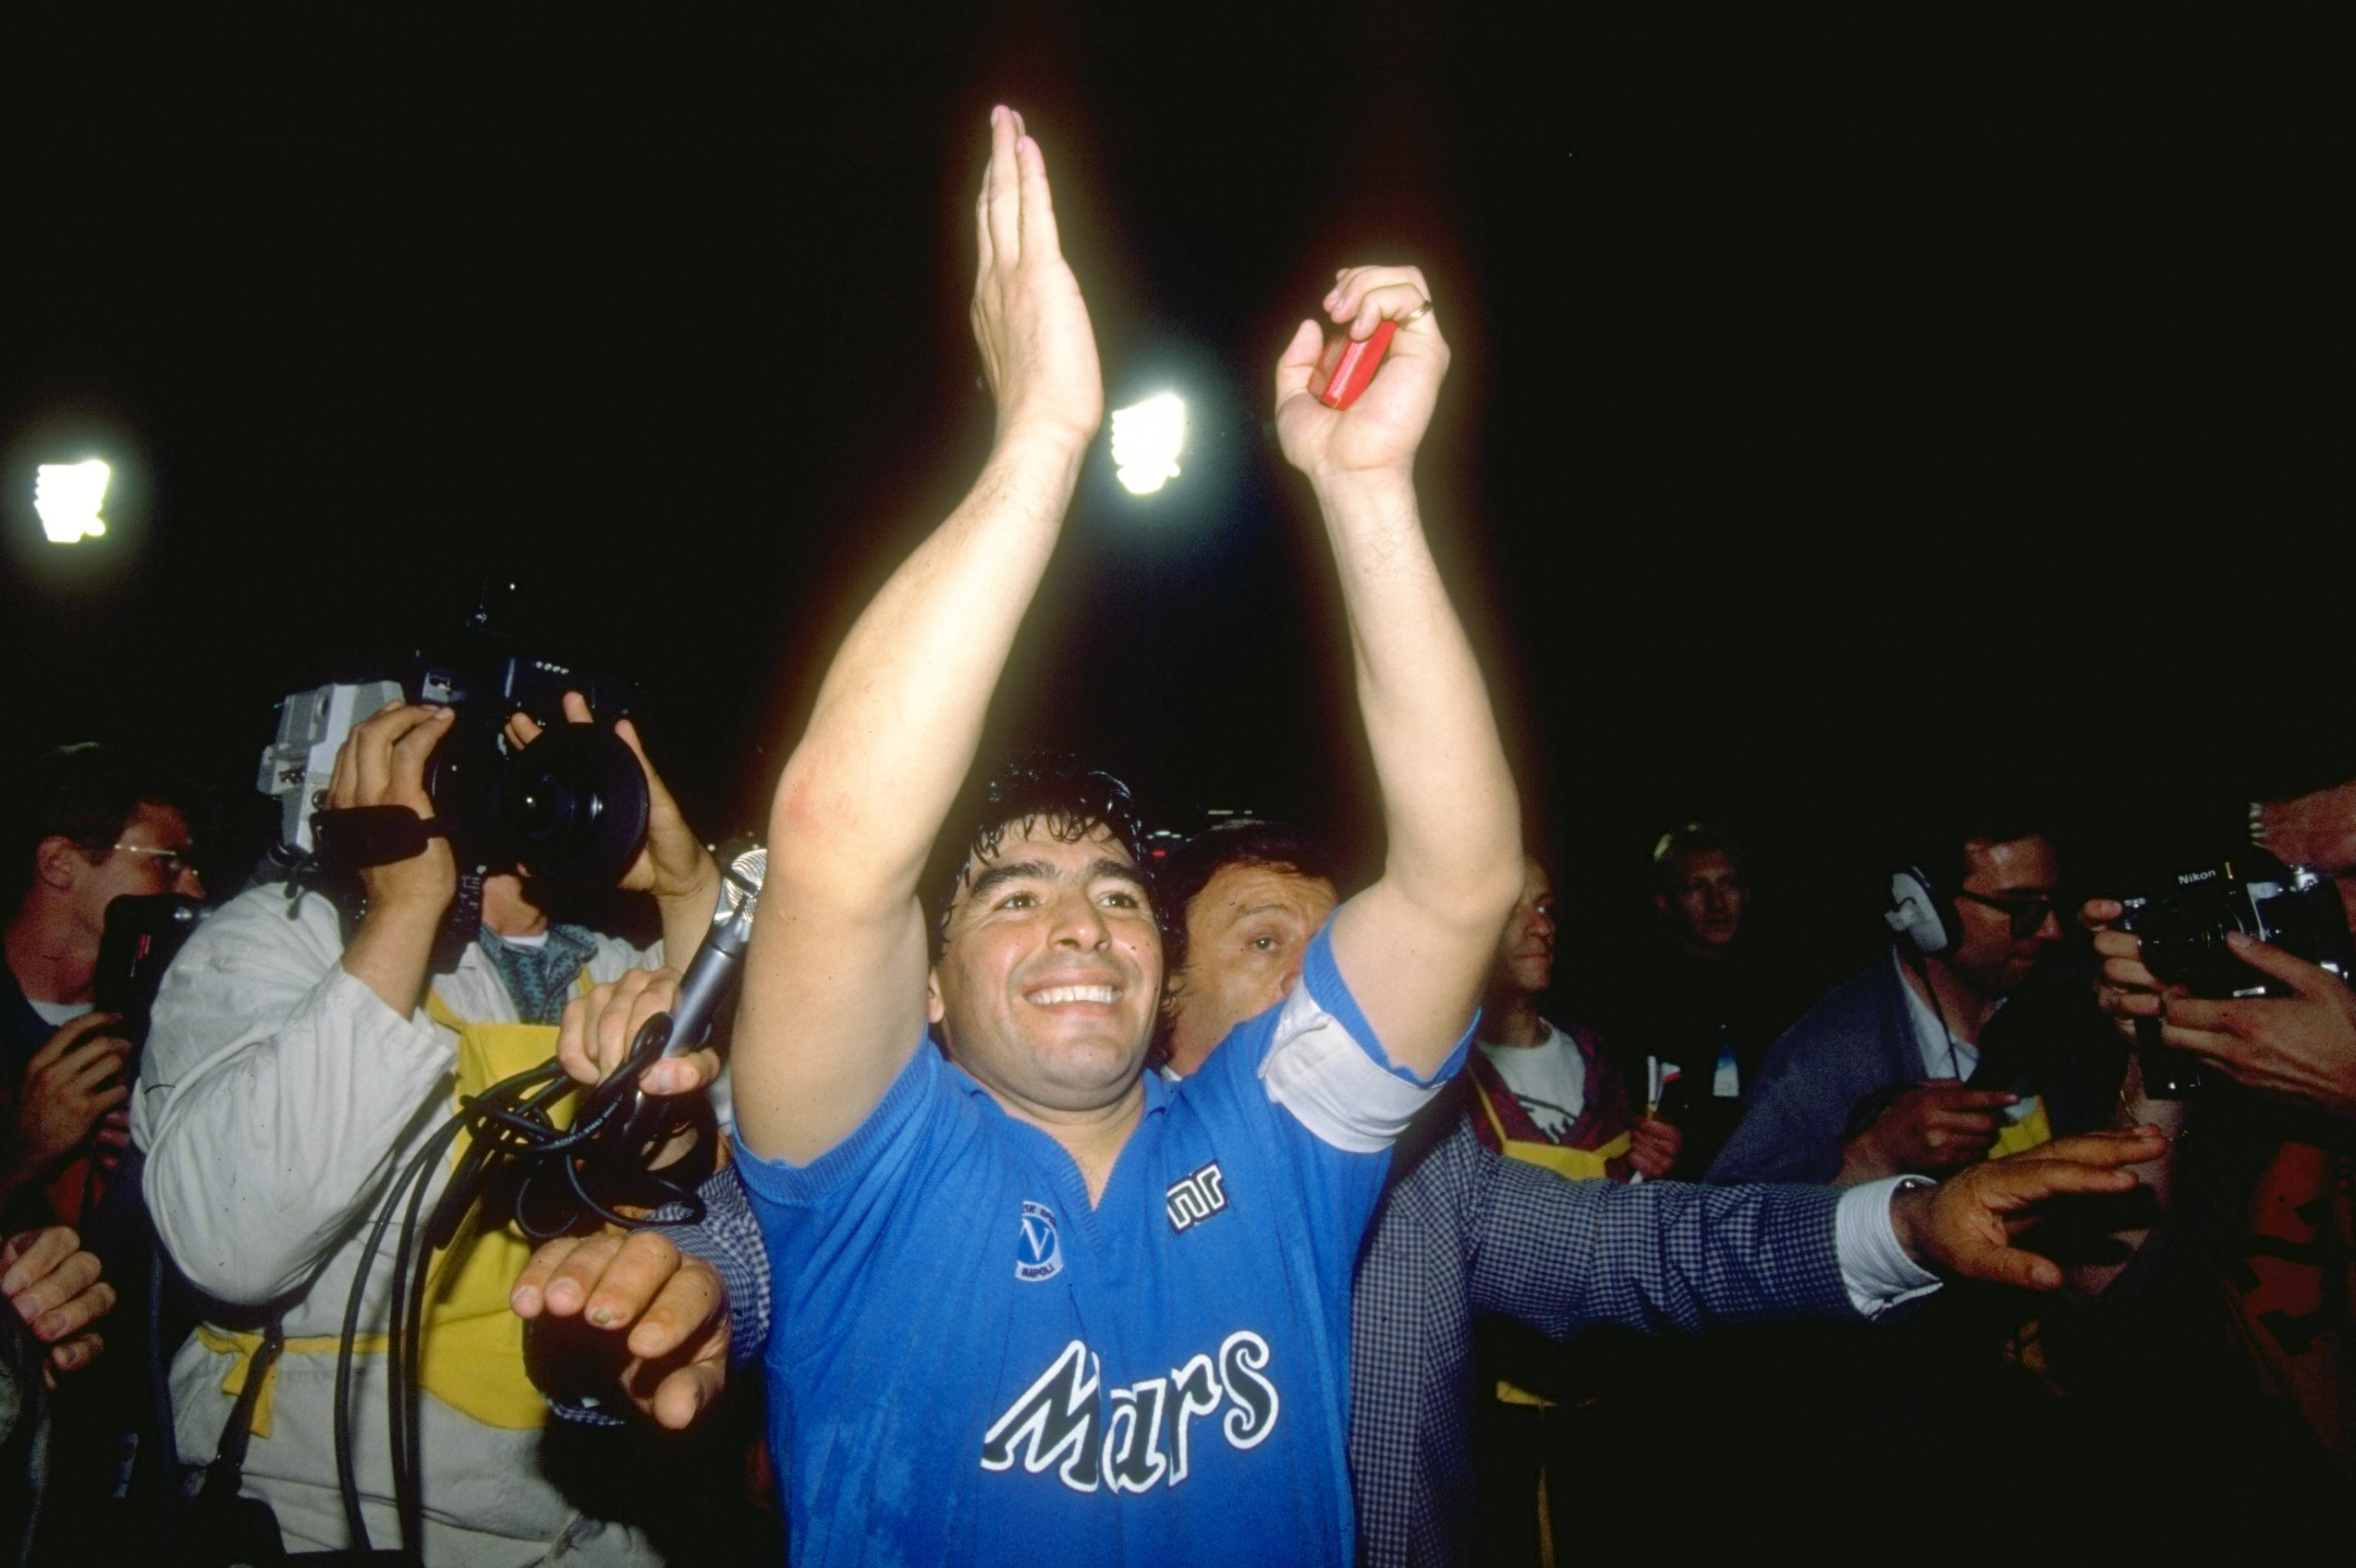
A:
[1049,788]
[1247,841]
[85,793]
[1691,839]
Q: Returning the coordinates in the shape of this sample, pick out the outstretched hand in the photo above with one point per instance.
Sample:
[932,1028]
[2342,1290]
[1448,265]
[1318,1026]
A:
[1379,432]
[672,1308]
[1038,349]
[1963,1228]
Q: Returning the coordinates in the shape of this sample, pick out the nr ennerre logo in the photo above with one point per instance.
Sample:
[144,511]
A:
[1138,1437]
[1191,1200]
[1038,1252]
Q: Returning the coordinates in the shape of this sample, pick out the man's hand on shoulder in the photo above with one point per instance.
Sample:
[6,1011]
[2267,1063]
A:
[671,1309]
[1964,1227]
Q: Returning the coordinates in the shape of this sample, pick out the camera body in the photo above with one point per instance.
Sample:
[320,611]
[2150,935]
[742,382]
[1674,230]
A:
[571,807]
[2184,922]
[298,765]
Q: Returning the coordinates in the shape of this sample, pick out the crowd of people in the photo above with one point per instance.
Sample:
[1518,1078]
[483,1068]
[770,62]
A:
[1060,1200]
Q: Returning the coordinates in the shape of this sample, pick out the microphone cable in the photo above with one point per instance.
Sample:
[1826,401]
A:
[553,1181]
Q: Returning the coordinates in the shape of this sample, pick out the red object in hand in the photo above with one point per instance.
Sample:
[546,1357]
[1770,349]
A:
[1347,365]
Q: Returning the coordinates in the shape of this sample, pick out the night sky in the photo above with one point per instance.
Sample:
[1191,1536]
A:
[1842,402]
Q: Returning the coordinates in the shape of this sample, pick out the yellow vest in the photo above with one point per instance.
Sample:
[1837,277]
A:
[1571,1164]
[473,1354]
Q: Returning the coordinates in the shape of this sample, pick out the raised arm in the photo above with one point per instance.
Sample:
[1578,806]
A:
[1415,947]
[835,985]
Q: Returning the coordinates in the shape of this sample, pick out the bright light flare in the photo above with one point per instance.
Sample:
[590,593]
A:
[67,495]
[1146,439]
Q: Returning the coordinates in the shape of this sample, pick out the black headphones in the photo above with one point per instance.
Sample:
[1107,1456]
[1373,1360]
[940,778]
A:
[1920,913]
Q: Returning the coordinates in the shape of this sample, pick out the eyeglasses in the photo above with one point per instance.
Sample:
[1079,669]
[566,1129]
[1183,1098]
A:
[171,862]
[2029,912]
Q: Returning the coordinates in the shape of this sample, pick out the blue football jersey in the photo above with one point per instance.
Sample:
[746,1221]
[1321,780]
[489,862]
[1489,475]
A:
[971,1365]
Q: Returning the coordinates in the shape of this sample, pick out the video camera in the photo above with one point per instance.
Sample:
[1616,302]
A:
[2184,922]
[572,806]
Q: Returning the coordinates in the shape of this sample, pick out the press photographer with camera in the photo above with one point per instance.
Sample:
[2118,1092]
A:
[2256,1193]
[88,824]
[304,1048]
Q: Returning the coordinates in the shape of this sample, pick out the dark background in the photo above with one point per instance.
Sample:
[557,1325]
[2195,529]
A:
[1846,403]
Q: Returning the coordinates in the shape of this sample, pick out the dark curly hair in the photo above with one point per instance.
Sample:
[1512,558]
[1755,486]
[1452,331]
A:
[1247,841]
[1040,788]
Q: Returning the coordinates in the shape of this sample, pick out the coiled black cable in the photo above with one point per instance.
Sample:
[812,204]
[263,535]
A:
[563,1182]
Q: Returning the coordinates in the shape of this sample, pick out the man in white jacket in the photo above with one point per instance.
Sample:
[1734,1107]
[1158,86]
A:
[289,1076]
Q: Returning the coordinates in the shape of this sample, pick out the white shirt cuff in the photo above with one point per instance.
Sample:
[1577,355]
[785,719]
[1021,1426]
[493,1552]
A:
[1874,1267]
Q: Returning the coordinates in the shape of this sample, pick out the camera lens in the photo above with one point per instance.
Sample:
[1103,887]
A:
[572,806]
[462,779]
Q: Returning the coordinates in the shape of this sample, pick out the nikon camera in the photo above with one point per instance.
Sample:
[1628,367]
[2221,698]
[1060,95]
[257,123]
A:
[2183,925]
[570,808]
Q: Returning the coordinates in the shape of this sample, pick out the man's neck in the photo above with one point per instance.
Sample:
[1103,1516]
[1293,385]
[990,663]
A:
[1094,1139]
[53,959]
[1511,1018]
[1964,1006]
[507,911]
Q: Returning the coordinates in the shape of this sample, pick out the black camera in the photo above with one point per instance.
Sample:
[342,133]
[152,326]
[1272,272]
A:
[571,807]
[2183,925]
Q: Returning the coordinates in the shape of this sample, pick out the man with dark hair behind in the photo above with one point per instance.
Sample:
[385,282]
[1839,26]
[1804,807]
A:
[88,824]
[1259,890]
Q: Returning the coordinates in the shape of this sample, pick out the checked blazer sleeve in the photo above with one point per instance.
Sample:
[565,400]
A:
[729,1239]
[1661,1257]
[1463,1230]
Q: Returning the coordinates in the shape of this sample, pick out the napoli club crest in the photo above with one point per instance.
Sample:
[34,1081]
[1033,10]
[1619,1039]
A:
[1038,1254]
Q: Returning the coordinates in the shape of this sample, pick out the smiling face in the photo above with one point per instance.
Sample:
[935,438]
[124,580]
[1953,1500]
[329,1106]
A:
[1050,967]
[1245,934]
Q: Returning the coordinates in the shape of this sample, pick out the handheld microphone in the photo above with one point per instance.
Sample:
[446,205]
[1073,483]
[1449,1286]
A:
[711,976]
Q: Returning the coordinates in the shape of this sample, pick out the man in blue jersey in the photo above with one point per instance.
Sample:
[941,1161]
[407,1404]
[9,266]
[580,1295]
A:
[1033,1305]
[1030,1302]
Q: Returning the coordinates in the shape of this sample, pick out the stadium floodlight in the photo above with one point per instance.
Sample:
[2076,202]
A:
[67,495]
[1146,439]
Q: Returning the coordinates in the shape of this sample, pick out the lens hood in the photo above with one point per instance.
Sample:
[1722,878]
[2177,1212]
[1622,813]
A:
[572,806]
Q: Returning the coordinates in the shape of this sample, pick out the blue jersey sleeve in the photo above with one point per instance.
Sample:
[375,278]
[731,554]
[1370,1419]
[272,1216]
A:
[1321,1094]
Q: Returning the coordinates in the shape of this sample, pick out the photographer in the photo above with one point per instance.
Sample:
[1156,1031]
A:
[290,1074]
[2255,1207]
[1885,1075]
[91,824]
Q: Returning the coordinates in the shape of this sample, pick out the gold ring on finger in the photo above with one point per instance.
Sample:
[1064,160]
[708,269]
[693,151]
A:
[1417,313]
